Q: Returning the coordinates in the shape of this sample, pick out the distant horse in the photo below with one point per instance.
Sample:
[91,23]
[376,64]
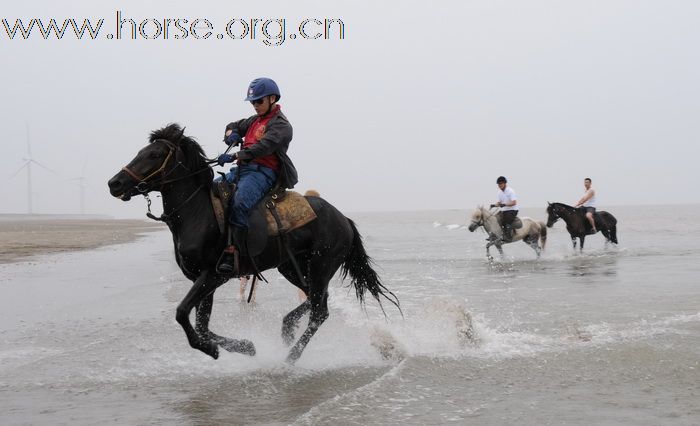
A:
[175,165]
[577,224]
[530,231]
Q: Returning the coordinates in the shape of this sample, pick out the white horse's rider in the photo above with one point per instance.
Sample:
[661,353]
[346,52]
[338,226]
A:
[588,202]
[508,202]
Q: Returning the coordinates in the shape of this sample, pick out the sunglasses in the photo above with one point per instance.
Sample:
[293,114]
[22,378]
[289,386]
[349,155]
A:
[258,101]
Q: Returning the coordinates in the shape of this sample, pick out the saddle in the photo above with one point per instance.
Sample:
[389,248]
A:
[516,224]
[291,208]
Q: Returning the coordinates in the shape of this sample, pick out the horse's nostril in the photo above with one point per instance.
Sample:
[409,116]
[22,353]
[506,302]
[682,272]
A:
[114,184]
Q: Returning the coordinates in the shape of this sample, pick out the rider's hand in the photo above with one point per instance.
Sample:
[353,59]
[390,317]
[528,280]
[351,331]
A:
[492,206]
[226,158]
[232,138]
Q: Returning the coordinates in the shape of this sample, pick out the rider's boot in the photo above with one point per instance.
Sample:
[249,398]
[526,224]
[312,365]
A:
[507,233]
[229,261]
[240,236]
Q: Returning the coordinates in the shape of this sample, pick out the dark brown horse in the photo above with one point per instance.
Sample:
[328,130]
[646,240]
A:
[175,165]
[577,224]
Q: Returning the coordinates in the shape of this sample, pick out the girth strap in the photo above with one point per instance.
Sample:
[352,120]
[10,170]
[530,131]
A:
[283,241]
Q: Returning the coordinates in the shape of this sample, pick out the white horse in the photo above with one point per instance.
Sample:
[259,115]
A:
[527,230]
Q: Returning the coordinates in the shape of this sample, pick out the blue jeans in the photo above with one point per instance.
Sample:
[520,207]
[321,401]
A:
[230,176]
[254,181]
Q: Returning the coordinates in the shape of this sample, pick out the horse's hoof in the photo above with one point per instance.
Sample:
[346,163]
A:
[292,358]
[245,347]
[288,338]
[212,351]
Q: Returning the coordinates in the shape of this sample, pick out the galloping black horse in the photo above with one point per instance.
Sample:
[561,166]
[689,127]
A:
[175,165]
[577,224]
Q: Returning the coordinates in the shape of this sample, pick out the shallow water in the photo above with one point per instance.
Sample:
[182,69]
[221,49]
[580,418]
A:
[611,336]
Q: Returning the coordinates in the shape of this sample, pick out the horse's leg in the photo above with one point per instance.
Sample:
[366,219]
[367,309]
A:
[321,270]
[201,325]
[606,234]
[573,241]
[531,240]
[582,238]
[202,328]
[319,313]
[488,251]
[203,286]
[500,249]
[291,320]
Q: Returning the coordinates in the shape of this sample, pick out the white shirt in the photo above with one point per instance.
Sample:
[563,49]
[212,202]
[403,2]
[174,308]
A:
[591,202]
[506,196]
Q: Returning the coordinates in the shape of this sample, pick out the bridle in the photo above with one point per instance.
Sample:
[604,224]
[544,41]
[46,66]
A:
[554,213]
[481,221]
[145,185]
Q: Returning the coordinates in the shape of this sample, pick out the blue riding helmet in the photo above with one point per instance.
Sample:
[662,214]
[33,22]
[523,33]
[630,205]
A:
[261,87]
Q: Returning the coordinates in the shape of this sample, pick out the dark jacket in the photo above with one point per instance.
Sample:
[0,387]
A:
[278,134]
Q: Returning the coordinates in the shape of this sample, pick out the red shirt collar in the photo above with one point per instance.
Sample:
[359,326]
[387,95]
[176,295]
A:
[272,113]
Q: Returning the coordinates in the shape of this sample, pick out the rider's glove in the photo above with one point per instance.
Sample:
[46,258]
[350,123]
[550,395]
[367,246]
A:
[226,158]
[492,206]
[233,139]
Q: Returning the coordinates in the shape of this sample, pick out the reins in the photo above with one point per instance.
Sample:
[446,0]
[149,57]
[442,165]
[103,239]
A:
[167,217]
[483,220]
[144,186]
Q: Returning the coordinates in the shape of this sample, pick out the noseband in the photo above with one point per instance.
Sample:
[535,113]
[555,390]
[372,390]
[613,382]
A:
[143,184]
[555,214]
[480,222]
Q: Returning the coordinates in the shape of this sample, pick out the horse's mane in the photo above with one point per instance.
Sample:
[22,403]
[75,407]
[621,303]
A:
[566,206]
[195,157]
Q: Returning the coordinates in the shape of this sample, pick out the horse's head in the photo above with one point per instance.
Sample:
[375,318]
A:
[169,157]
[477,219]
[552,214]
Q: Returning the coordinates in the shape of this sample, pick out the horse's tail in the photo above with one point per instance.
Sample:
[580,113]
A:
[543,234]
[610,222]
[363,277]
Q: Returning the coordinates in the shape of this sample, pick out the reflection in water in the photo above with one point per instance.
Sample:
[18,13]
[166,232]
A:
[602,264]
[247,399]
[593,265]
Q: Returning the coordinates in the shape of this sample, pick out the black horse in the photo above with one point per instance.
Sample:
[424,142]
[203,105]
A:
[176,166]
[578,225]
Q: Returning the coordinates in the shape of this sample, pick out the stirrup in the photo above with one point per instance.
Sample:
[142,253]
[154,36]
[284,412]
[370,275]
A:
[228,263]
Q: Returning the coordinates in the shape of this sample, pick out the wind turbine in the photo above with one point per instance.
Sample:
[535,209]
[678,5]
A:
[28,165]
[82,184]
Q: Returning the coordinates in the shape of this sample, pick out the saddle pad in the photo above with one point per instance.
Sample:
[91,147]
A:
[293,209]
[517,223]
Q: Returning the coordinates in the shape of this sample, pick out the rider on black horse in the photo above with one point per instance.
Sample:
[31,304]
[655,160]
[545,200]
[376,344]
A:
[508,202]
[262,163]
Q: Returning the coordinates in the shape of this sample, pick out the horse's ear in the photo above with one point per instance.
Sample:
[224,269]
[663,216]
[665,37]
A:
[181,134]
[548,203]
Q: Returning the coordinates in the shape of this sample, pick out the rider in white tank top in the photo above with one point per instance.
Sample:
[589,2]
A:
[591,202]
[588,202]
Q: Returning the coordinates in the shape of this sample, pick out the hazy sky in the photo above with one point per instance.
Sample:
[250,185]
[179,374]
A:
[421,106]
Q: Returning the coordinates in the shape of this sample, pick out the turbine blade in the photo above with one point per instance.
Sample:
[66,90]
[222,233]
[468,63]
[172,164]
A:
[19,170]
[42,166]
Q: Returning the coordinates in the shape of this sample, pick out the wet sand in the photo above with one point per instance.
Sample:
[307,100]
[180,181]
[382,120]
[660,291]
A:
[23,236]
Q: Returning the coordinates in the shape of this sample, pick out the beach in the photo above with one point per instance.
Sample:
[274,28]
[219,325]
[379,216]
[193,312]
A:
[23,236]
[607,336]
